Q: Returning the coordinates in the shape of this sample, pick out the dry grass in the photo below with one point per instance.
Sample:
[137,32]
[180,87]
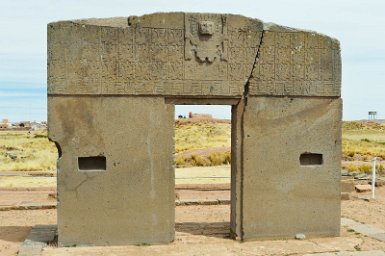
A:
[201,135]
[23,151]
[214,159]
[363,140]
[362,167]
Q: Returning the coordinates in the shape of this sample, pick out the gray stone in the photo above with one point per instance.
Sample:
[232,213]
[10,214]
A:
[37,239]
[112,87]
[361,176]
[345,173]
[300,236]
[363,188]
[379,236]
[346,253]
[365,229]
[378,183]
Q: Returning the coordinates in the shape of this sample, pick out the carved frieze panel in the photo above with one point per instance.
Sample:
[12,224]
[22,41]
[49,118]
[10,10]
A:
[297,63]
[203,50]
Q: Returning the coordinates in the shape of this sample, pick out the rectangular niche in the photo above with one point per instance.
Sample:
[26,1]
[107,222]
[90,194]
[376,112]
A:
[311,159]
[92,163]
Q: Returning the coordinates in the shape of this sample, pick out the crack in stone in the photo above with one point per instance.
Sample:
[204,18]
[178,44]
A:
[75,189]
[242,108]
[247,84]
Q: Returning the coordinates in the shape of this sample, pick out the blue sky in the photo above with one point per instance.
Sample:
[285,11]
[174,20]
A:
[358,24]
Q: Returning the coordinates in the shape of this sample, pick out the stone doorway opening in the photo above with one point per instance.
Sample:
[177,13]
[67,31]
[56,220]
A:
[203,167]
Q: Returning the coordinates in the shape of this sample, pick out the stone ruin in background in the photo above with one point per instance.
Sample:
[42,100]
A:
[112,87]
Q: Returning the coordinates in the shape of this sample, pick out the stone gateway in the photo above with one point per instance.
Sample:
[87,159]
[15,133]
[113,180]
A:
[112,87]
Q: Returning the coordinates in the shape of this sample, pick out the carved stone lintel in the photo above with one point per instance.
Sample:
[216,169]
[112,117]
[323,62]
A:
[205,36]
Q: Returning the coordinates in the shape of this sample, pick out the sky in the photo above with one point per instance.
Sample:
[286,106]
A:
[358,24]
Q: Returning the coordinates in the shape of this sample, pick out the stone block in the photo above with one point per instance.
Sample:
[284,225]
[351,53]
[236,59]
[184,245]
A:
[347,185]
[132,201]
[277,187]
[378,183]
[363,188]
[112,86]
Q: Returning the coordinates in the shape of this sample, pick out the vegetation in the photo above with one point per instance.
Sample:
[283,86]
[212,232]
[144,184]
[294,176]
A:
[201,135]
[363,140]
[26,151]
[216,158]
[362,167]
[31,151]
[198,135]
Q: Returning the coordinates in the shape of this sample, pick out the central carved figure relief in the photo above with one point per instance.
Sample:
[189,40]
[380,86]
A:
[112,86]
[205,38]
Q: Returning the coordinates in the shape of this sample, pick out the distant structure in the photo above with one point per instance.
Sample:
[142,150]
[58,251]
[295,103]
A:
[372,115]
[4,124]
[199,116]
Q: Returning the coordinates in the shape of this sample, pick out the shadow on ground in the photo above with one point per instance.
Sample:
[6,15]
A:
[210,229]
[14,233]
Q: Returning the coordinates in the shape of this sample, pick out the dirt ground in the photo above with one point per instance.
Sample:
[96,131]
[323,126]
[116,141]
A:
[16,225]
[364,211]
[205,226]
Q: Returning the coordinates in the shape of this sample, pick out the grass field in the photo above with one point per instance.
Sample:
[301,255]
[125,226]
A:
[23,151]
[364,139]
[201,135]
[26,151]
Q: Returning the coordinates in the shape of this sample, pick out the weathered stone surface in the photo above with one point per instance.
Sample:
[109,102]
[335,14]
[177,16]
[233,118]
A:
[169,54]
[365,229]
[363,188]
[294,63]
[132,201]
[379,236]
[290,197]
[112,86]
[377,183]
[349,253]
[37,239]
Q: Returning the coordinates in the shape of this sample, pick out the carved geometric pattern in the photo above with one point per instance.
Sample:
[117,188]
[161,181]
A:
[297,63]
[140,60]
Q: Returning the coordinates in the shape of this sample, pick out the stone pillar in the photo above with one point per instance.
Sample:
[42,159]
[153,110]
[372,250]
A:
[115,172]
[291,167]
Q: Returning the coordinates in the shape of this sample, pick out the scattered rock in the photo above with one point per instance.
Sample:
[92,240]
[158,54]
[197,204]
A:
[345,173]
[361,176]
[300,236]
[52,195]
[12,156]
[378,183]
[363,188]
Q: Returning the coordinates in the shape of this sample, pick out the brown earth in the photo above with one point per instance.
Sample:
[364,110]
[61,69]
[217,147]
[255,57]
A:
[197,225]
